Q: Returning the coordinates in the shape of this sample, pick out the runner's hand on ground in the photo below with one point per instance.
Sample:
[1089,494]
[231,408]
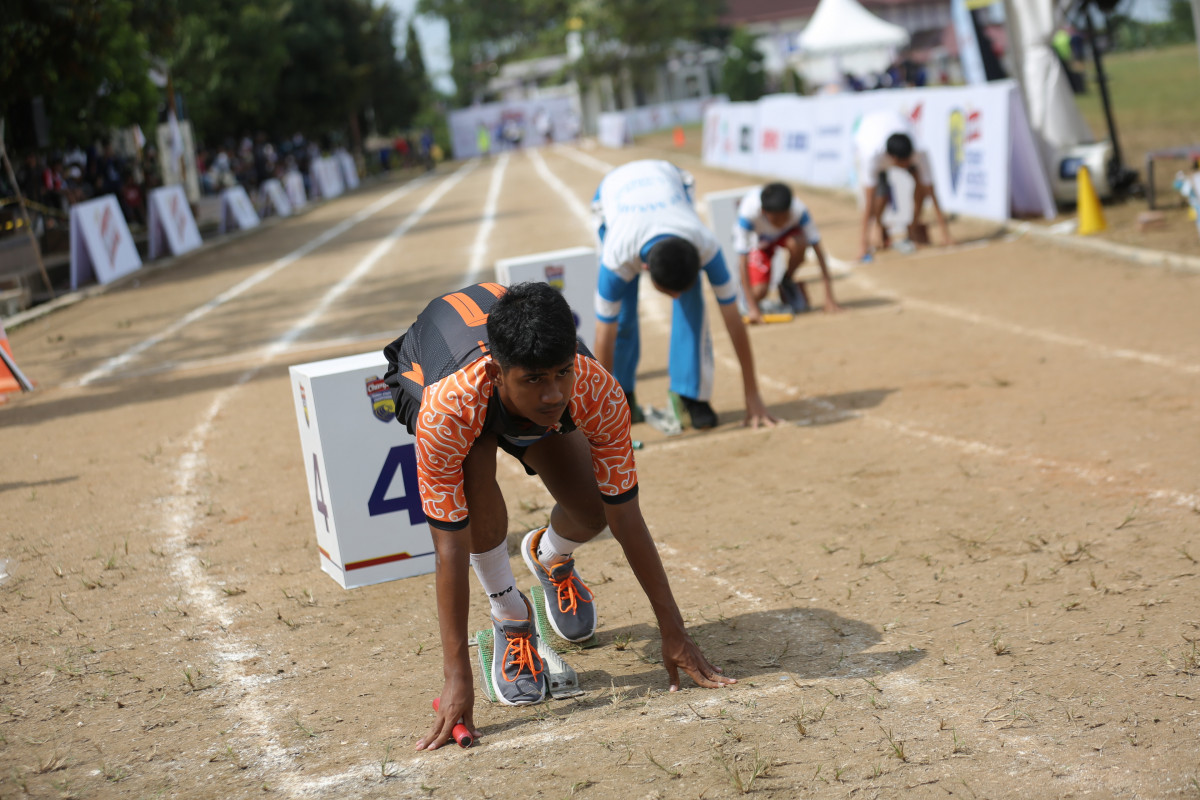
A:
[456,702]
[679,651]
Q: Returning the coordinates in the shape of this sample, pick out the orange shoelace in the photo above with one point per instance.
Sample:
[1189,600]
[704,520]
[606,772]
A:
[569,594]
[523,654]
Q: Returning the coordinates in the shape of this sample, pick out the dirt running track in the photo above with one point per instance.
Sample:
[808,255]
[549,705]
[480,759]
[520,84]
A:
[965,567]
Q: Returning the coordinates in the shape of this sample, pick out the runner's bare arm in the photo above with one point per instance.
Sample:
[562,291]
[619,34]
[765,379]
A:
[756,410]
[679,651]
[831,305]
[606,343]
[457,700]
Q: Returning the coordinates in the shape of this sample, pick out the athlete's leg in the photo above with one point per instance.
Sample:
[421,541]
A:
[797,246]
[564,463]
[627,349]
[758,267]
[489,531]
[485,502]
[690,362]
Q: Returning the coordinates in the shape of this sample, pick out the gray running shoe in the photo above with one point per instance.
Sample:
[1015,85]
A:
[518,672]
[569,602]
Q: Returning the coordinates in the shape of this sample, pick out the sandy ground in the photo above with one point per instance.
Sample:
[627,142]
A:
[965,566]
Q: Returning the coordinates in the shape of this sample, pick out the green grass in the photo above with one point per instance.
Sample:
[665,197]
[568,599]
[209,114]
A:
[1155,98]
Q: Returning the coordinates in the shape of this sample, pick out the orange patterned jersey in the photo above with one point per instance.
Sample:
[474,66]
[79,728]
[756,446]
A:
[443,394]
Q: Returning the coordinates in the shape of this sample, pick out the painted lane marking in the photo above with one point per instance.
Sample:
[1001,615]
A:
[479,248]
[115,363]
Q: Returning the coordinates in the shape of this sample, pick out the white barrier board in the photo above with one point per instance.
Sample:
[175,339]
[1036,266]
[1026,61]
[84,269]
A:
[571,271]
[294,183]
[171,222]
[277,199]
[362,472]
[101,246]
[236,210]
[327,178]
[349,169]
[980,148]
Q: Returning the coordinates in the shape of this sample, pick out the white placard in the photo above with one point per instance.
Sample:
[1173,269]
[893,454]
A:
[348,168]
[277,199]
[171,222]
[294,183]
[361,466]
[236,210]
[612,130]
[327,178]
[571,271]
[101,246]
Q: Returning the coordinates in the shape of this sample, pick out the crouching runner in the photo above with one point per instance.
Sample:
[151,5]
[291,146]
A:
[485,368]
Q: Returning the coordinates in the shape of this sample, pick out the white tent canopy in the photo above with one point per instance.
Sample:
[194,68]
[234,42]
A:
[842,36]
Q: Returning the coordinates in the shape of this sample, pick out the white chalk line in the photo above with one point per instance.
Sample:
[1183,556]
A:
[1104,351]
[253,355]
[115,363]
[182,513]
[657,311]
[479,248]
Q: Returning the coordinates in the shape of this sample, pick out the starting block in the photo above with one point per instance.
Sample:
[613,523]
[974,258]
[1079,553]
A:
[361,465]
[562,681]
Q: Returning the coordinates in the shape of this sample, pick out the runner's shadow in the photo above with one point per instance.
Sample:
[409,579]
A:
[760,649]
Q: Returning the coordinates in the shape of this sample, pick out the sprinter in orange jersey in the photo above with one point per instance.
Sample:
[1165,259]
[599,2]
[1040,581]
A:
[486,368]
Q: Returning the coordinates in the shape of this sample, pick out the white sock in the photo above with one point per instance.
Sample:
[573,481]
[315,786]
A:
[495,574]
[554,549]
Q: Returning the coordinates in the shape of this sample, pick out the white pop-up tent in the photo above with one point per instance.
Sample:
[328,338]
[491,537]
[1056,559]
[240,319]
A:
[842,37]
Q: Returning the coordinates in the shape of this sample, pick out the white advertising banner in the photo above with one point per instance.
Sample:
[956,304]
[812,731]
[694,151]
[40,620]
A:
[969,134]
[101,247]
[571,271]
[613,131]
[293,182]
[236,210]
[276,198]
[361,466]
[555,116]
[171,222]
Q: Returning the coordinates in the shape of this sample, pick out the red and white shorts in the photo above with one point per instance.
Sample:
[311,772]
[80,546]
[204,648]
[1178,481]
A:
[758,260]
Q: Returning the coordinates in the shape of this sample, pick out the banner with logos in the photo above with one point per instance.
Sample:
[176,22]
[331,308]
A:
[171,223]
[101,247]
[533,121]
[977,139]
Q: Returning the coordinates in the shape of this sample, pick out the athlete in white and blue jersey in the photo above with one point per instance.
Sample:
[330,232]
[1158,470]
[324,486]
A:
[646,222]
[770,218]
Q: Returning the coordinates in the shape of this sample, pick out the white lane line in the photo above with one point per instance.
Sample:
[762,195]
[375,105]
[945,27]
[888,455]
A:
[183,509]
[577,207]
[583,158]
[254,355]
[115,363]
[657,308]
[1104,351]
[479,248]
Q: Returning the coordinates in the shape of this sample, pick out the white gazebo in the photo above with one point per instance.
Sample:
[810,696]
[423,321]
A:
[842,37]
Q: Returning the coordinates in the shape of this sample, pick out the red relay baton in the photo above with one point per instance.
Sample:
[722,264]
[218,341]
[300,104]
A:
[460,732]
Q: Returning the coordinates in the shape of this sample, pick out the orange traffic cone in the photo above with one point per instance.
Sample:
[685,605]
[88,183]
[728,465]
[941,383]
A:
[11,377]
[1087,204]
[677,137]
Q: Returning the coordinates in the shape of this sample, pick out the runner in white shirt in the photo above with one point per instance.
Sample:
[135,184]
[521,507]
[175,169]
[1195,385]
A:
[646,222]
[884,139]
[768,219]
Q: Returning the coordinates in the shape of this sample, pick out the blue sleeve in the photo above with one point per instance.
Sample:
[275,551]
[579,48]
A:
[720,279]
[611,292]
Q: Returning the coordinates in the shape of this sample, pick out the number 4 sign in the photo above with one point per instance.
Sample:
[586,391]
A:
[361,466]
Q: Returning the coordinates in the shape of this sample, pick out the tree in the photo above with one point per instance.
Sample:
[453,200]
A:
[84,59]
[742,77]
